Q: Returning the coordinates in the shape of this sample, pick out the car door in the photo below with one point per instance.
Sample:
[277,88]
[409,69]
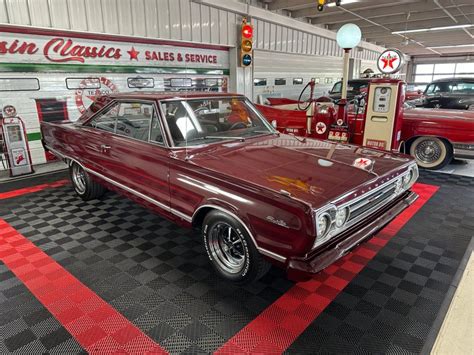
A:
[92,139]
[137,155]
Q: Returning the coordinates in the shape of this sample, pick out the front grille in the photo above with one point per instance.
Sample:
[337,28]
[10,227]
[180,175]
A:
[371,202]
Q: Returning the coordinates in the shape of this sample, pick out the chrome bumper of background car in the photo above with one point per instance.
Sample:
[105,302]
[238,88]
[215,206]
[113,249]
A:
[463,150]
[319,261]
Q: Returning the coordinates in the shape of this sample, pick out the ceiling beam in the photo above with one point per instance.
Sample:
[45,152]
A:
[436,22]
[290,4]
[376,10]
[391,19]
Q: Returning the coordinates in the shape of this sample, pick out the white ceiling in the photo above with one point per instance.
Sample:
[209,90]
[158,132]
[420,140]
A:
[379,18]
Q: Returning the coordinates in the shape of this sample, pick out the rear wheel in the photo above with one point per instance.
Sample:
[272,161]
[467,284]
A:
[84,186]
[431,152]
[231,250]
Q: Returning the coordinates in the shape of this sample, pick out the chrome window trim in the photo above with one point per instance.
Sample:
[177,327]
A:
[151,102]
[247,101]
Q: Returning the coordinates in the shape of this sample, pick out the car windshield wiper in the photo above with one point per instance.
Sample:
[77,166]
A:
[242,139]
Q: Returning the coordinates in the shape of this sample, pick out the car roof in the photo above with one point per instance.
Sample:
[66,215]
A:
[470,80]
[165,95]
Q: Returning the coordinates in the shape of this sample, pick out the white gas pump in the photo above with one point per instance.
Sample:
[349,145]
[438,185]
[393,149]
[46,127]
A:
[15,143]
[384,114]
[384,109]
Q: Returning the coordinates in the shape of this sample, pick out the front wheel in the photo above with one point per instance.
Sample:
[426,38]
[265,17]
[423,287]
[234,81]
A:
[231,250]
[85,187]
[431,152]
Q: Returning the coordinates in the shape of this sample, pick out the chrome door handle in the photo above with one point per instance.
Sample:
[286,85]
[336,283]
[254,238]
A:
[104,148]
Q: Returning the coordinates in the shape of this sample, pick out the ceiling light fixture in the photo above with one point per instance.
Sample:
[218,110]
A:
[343,2]
[432,29]
[453,46]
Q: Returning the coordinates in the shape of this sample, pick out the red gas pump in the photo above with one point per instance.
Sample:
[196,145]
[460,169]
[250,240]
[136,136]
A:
[15,143]
[384,114]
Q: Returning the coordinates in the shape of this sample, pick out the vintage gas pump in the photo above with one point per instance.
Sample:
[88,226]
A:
[15,143]
[384,109]
[384,114]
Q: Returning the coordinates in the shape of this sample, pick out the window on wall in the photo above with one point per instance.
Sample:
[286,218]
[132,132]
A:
[82,83]
[280,81]
[259,82]
[19,84]
[298,81]
[426,73]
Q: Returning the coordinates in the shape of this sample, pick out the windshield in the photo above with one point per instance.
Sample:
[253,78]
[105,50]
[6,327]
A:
[198,121]
[353,86]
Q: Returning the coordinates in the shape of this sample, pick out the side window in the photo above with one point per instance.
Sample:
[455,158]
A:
[156,134]
[182,127]
[134,120]
[336,88]
[106,121]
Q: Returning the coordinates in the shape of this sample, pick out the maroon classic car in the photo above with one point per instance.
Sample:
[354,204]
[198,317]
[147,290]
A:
[212,162]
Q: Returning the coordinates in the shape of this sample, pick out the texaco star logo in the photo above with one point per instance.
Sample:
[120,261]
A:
[84,97]
[362,163]
[390,61]
[9,111]
[321,127]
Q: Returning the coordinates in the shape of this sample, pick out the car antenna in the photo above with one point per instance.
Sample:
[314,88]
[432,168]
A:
[188,112]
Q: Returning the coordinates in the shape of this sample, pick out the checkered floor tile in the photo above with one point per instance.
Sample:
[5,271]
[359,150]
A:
[26,327]
[157,275]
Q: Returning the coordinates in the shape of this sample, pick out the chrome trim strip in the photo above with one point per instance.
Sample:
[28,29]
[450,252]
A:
[261,250]
[126,188]
[272,255]
[172,210]
[463,153]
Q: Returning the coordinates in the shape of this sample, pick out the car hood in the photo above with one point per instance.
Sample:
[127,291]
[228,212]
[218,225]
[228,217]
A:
[313,171]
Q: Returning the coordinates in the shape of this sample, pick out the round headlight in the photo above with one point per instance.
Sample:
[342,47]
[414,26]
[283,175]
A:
[407,178]
[398,186]
[341,216]
[323,225]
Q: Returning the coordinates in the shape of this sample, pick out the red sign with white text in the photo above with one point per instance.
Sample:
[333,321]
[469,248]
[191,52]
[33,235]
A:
[24,48]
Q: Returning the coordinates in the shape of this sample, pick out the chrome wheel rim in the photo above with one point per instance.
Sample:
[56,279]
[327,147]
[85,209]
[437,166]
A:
[227,248]
[79,178]
[428,151]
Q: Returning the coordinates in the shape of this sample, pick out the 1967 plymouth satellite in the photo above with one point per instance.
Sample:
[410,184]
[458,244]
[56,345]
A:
[212,162]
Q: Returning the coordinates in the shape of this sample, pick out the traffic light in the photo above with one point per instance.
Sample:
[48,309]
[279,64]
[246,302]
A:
[246,43]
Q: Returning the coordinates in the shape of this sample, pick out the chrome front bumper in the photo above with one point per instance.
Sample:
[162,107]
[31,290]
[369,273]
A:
[463,150]
[320,260]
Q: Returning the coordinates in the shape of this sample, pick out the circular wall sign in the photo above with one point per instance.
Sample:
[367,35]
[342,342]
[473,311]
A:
[390,61]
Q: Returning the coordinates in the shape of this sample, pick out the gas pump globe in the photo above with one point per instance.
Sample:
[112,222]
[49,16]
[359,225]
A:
[347,38]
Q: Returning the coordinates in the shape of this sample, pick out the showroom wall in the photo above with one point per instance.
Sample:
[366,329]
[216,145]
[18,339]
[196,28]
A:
[201,21]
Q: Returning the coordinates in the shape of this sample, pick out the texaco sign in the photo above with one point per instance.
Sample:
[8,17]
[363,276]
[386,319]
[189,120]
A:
[390,61]
[85,95]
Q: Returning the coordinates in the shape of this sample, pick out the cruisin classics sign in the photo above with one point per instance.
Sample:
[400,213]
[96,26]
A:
[42,49]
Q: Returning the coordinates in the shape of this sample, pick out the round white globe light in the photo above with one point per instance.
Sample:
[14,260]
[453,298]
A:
[348,36]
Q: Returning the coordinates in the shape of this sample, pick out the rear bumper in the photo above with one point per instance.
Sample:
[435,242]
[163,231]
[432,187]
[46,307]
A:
[319,260]
[463,150]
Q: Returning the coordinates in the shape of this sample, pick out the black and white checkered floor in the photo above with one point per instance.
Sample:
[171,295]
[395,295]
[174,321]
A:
[157,276]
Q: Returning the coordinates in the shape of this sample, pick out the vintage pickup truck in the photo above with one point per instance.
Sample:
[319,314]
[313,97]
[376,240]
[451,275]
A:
[212,162]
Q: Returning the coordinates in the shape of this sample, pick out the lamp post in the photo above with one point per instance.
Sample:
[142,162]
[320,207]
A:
[347,38]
